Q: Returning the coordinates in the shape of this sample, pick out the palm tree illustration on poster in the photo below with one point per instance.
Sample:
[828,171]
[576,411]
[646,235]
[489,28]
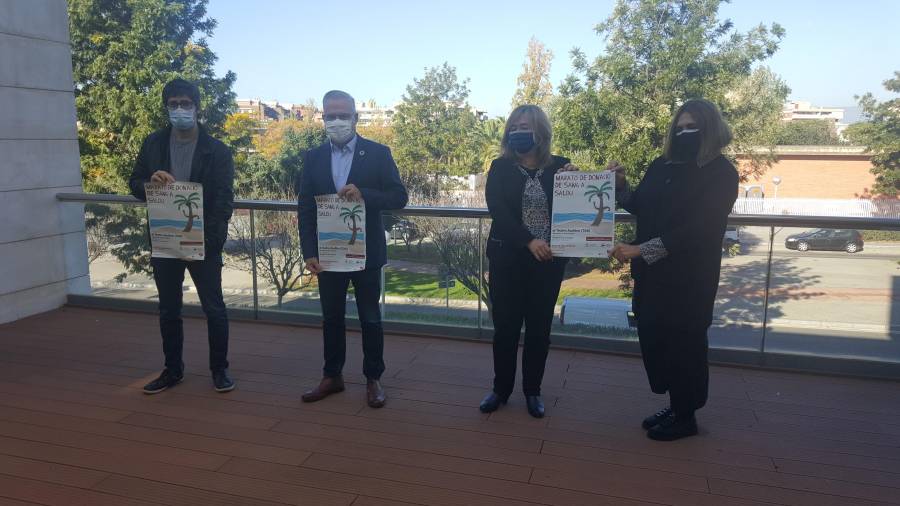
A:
[175,216]
[340,227]
[583,215]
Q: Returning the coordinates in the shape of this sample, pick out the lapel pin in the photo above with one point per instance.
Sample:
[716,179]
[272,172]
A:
[362,152]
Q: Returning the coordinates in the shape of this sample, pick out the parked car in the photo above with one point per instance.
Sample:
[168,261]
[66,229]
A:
[731,242]
[850,241]
[595,311]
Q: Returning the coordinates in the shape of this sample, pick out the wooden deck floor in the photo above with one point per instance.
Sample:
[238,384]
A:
[75,428]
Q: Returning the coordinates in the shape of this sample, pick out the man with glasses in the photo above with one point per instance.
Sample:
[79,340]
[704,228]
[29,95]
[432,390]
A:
[184,151]
[355,169]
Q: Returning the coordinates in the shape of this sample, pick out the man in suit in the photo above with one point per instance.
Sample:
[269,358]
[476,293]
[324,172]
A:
[355,169]
[184,151]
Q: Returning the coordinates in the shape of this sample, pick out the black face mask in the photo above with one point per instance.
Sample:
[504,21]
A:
[686,145]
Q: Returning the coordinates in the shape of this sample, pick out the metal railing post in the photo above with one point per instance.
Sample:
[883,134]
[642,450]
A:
[253,264]
[765,323]
[480,270]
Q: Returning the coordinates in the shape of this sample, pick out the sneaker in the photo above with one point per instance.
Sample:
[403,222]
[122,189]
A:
[654,419]
[222,381]
[165,380]
[674,427]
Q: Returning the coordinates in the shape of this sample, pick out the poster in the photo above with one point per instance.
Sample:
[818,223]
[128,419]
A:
[583,220]
[341,233]
[175,213]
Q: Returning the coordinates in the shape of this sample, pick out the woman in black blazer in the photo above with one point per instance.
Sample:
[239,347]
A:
[524,277]
[682,206]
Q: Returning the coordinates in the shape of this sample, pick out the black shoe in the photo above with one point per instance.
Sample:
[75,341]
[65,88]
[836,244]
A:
[165,380]
[535,405]
[491,403]
[674,427]
[222,382]
[654,419]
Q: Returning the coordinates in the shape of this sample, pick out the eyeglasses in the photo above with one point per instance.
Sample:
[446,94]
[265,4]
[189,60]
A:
[173,105]
[340,116]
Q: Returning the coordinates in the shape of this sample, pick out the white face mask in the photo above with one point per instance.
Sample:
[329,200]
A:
[339,130]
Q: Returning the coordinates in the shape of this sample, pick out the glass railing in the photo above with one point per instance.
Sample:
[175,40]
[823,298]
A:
[790,286]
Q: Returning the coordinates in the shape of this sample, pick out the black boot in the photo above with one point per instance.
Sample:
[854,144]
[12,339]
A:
[492,402]
[535,405]
[674,427]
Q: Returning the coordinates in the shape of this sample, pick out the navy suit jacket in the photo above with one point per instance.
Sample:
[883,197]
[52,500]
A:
[374,172]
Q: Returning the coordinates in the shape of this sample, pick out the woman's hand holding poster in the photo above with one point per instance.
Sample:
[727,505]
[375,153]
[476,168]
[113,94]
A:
[583,219]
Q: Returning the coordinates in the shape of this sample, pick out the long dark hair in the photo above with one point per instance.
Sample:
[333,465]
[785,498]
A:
[714,131]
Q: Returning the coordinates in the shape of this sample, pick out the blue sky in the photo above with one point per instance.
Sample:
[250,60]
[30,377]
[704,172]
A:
[293,50]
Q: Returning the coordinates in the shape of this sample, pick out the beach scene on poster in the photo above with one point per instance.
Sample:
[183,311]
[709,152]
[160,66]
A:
[341,232]
[583,222]
[175,214]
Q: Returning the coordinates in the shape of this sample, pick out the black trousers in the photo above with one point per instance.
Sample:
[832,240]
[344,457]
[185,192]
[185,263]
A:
[207,275]
[522,290]
[333,297]
[675,358]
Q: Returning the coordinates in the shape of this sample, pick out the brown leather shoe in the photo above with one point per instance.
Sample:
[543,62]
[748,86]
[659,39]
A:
[375,394]
[326,387]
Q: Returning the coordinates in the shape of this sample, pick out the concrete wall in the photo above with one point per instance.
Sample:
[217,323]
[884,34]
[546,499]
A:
[42,242]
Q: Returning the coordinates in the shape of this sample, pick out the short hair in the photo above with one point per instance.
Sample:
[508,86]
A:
[180,87]
[338,95]
[540,125]
[714,131]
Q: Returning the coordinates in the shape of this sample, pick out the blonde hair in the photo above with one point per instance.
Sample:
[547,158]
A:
[540,125]
[714,131]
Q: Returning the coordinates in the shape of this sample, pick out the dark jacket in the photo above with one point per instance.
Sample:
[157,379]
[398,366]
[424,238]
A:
[503,193]
[212,167]
[374,172]
[686,206]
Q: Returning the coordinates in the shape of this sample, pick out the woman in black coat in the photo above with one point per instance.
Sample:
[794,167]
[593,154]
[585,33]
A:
[682,206]
[524,277]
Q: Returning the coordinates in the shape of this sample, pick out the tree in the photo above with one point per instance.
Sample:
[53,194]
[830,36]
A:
[753,110]
[238,132]
[810,132]
[599,193]
[433,127]
[486,138]
[880,133]
[278,162]
[533,85]
[352,214]
[123,53]
[658,54]
[190,202]
[279,262]
[382,134]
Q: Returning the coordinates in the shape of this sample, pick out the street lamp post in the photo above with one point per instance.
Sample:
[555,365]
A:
[776,181]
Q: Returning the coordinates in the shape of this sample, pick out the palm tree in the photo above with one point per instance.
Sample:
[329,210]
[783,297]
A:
[191,201]
[600,194]
[351,215]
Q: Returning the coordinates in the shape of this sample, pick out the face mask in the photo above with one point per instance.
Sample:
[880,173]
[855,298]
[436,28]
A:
[521,141]
[686,145]
[181,119]
[339,131]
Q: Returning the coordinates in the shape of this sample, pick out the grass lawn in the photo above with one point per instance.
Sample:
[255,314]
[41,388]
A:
[414,285]
[603,293]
